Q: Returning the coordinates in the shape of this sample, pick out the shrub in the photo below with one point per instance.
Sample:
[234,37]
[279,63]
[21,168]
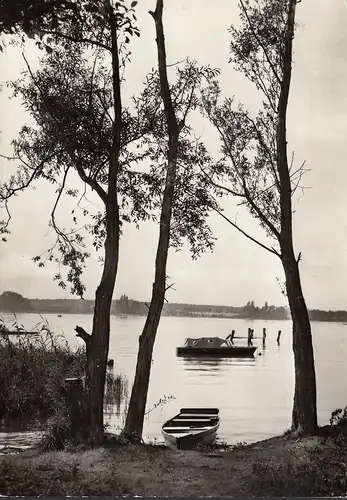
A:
[32,373]
[33,369]
[339,416]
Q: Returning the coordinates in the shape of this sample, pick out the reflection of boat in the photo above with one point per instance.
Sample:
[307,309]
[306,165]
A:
[192,426]
[202,361]
[214,346]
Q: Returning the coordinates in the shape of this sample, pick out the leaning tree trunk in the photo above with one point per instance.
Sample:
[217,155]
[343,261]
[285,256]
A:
[137,405]
[304,418]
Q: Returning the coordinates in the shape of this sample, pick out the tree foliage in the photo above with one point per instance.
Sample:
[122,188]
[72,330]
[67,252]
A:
[249,139]
[71,102]
[66,21]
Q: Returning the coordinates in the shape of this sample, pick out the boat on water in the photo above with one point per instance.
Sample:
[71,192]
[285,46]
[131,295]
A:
[190,427]
[215,346]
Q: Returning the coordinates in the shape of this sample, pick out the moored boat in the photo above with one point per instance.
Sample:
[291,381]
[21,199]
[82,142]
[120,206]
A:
[190,427]
[215,346]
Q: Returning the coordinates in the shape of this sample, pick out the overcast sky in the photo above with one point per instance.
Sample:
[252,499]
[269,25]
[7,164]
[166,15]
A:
[237,271]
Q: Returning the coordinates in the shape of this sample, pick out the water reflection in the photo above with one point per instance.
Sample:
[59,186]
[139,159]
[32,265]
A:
[21,432]
[212,363]
[203,362]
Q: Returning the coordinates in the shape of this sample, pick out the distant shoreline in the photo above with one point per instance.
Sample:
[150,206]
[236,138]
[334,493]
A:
[14,303]
[192,315]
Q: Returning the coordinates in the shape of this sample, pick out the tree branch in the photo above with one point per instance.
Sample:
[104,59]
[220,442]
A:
[271,250]
[219,186]
[83,334]
[265,146]
[164,84]
[260,214]
[260,43]
[188,106]
[70,38]
[91,182]
[12,191]
[60,192]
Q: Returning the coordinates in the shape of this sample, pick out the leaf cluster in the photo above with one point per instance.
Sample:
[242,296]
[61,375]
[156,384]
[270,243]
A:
[71,101]
[249,169]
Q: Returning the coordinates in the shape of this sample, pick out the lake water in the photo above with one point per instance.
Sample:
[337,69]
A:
[254,396]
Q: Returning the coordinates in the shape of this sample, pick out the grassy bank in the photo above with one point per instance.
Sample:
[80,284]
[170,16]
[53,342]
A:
[275,467]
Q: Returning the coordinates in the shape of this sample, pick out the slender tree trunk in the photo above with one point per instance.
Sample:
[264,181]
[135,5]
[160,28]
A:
[304,416]
[137,405]
[98,343]
[138,399]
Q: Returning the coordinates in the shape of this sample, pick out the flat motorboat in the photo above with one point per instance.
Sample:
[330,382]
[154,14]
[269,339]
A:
[215,346]
[191,427]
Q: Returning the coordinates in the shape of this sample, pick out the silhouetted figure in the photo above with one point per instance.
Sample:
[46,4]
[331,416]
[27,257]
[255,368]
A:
[279,336]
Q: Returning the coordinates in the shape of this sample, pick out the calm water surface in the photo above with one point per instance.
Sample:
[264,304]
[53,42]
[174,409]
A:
[254,395]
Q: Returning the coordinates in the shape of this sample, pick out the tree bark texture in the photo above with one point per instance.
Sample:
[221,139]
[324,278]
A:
[98,345]
[305,407]
[137,405]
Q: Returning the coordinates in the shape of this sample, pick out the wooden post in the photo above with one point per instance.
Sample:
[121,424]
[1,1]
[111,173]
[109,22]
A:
[279,336]
[249,341]
[232,335]
[264,337]
[74,388]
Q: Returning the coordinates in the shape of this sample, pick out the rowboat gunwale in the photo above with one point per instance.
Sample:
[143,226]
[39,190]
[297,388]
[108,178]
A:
[183,435]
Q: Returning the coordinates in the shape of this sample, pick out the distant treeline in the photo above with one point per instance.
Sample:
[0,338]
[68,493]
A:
[12,302]
[318,315]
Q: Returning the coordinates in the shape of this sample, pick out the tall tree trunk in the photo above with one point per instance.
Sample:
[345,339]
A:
[304,417]
[137,405]
[98,343]
[305,408]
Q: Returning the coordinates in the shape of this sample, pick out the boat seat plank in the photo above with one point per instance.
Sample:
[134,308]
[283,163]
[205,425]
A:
[179,429]
[194,415]
[199,410]
[196,418]
[183,419]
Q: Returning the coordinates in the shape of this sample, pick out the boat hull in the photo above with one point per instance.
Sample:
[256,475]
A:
[192,426]
[226,352]
[191,441]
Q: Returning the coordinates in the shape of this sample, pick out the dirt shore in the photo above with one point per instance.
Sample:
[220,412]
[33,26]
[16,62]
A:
[279,466]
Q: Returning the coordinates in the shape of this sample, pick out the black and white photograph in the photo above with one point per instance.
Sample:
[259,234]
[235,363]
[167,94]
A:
[173,248]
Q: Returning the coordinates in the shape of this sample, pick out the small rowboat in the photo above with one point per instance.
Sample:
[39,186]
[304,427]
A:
[192,426]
